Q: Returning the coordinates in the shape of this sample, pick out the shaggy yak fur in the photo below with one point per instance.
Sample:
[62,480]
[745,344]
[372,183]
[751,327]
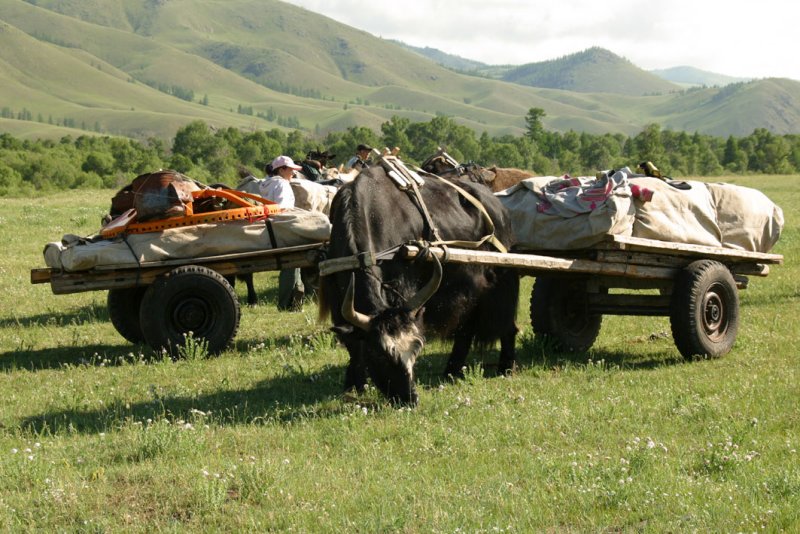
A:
[380,317]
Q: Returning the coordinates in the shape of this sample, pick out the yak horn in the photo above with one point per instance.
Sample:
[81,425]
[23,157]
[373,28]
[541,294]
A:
[357,319]
[421,297]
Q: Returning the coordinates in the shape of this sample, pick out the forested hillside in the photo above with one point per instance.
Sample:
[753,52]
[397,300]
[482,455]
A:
[218,155]
[692,77]
[592,71]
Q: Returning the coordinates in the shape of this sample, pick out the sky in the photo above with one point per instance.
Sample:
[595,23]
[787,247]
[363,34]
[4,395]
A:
[740,38]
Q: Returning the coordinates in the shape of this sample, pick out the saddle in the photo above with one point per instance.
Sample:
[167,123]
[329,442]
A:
[155,195]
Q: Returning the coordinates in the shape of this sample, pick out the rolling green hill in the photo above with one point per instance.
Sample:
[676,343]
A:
[691,77]
[770,103]
[144,68]
[591,71]
[444,59]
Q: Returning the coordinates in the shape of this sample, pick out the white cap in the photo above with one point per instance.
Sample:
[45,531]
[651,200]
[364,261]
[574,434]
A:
[284,161]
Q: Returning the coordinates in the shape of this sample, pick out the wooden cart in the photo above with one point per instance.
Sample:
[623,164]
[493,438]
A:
[695,286]
[159,302]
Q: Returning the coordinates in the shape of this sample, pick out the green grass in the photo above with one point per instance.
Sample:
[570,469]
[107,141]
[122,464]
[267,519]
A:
[100,435]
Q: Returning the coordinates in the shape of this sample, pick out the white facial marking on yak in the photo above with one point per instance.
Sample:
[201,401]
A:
[405,348]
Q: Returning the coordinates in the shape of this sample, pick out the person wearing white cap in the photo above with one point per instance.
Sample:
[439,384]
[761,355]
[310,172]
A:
[278,189]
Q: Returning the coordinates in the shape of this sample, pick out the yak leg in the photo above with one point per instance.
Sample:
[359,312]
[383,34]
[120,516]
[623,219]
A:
[231,279]
[507,362]
[458,356]
[356,375]
[252,296]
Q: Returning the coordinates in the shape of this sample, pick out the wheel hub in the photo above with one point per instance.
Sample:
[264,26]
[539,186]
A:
[191,315]
[714,319]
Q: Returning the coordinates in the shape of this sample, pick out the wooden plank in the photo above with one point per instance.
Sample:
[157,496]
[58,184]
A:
[211,259]
[729,254]
[41,276]
[641,258]
[750,269]
[739,266]
[64,283]
[534,264]
[625,304]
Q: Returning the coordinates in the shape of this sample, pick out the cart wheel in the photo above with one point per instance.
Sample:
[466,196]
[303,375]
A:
[190,299]
[559,311]
[704,311]
[123,310]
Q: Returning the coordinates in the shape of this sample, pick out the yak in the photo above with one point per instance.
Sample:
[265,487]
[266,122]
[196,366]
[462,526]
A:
[381,312]
[494,177]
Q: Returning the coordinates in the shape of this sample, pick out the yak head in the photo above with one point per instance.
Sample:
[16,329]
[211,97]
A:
[392,339]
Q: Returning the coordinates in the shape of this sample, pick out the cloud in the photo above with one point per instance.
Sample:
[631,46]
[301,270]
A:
[738,37]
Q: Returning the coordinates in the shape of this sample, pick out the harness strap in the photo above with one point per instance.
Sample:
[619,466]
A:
[411,185]
[367,259]
[490,237]
[362,260]
[425,213]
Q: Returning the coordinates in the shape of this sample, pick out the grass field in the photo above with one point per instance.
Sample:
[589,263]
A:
[100,435]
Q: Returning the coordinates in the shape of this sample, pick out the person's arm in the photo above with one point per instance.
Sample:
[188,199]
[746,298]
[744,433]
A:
[284,196]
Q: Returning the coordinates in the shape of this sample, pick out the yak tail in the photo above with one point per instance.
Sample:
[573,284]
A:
[324,305]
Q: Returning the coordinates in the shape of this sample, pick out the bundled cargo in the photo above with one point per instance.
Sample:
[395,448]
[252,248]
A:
[167,216]
[290,227]
[551,213]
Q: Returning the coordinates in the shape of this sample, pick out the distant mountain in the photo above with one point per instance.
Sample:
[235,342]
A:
[143,68]
[692,77]
[772,103]
[444,59]
[591,71]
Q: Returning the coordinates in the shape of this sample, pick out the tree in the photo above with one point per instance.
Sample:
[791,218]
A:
[502,155]
[600,152]
[194,141]
[10,179]
[394,134]
[533,121]
[443,131]
[647,145]
[100,163]
[734,158]
[771,152]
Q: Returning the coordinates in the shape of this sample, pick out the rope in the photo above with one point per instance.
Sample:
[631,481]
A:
[136,259]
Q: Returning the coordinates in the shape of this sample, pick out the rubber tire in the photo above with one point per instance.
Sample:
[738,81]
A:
[704,310]
[192,299]
[559,312]
[123,310]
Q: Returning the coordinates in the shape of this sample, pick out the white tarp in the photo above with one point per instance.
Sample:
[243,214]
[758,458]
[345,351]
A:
[550,213]
[747,219]
[308,195]
[312,196]
[291,228]
[677,215]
